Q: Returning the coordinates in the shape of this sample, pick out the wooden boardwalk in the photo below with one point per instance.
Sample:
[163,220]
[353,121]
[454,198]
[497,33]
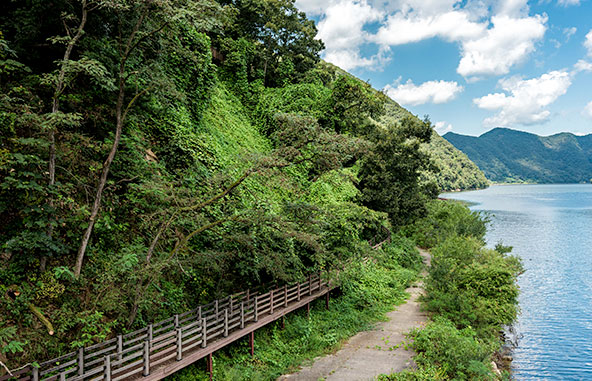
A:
[163,348]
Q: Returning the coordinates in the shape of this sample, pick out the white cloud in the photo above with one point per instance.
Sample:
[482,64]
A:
[582,65]
[509,42]
[342,31]
[493,35]
[588,42]
[588,110]
[428,92]
[402,28]
[442,127]
[567,3]
[568,32]
[524,101]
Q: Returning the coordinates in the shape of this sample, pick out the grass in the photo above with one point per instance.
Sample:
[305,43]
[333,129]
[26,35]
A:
[280,351]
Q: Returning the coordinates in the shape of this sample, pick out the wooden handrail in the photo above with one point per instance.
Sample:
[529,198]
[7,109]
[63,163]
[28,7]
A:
[148,352]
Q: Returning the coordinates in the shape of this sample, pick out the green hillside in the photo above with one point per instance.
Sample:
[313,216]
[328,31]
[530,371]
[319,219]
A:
[159,154]
[455,171]
[507,155]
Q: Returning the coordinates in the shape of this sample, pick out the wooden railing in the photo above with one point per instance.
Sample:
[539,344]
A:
[191,335]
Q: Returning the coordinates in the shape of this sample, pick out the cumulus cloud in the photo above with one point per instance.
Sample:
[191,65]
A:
[342,30]
[492,35]
[506,44]
[524,101]
[442,127]
[588,42]
[588,110]
[403,28]
[410,94]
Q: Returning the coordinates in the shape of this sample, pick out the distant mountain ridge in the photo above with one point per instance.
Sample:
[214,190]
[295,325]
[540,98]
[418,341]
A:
[507,155]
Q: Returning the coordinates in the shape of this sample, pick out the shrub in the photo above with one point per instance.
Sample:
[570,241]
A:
[459,354]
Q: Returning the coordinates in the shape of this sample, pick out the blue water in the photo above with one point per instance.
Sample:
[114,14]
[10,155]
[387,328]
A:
[550,227]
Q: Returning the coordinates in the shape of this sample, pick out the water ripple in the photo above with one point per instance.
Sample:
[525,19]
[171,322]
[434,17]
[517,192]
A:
[549,226]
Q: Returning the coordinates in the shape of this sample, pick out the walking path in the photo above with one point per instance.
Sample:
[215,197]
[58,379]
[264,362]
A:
[374,352]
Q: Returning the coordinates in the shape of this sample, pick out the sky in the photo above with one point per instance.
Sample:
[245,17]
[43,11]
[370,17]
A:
[470,65]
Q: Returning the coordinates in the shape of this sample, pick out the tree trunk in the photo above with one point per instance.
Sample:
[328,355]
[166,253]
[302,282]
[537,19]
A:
[104,174]
[120,117]
[54,109]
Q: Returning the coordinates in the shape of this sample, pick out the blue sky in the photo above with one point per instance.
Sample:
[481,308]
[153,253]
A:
[470,65]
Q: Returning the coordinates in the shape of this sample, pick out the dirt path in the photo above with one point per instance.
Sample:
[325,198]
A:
[370,353]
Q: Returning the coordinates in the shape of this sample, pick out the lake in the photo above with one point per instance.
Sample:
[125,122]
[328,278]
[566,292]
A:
[550,227]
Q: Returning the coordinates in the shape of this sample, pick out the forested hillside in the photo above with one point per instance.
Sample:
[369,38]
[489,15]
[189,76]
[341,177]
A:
[452,170]
[158,154]
[507,155]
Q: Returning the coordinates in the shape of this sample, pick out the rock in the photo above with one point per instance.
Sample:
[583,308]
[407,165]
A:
[495,368]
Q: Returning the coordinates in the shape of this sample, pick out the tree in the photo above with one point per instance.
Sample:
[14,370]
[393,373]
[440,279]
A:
[389,173]
[351,106]
[143,21]
[283,38]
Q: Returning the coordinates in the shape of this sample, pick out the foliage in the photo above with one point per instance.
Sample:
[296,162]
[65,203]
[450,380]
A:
[508,156]
[238,158]
[471,292]
[369,291]
[445,219]
[455,170]
[389,173]
[459,354]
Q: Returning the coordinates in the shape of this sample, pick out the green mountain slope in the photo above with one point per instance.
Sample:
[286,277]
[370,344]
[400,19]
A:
[456,170]
[507,155]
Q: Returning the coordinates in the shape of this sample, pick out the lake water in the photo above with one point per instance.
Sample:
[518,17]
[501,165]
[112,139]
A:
[550,227]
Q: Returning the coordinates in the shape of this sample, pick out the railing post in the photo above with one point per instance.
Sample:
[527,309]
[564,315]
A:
[63,376]
[216,308]
[35,373]
[146,358]
[242,315]
[150,336]
[107,367]
[309,284]
[199,313]
[298,291]
[176,321]
[226,322]
[285,295]
[179,344]
[320,280]
[248,294]
[204,333]
[80,361]
[256,312]
[119,347]
[231,307]
[271,302]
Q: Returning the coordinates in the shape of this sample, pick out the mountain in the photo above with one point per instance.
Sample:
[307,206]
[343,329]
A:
[507,155]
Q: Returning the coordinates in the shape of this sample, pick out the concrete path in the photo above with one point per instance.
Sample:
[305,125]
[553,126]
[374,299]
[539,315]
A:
[374,352]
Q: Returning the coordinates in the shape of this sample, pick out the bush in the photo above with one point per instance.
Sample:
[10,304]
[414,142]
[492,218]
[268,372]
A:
[459,354]
[444,219]
[401,251]
[473,286]
[368,284]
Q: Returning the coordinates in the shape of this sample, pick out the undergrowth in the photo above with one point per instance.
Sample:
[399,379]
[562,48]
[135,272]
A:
[369,289]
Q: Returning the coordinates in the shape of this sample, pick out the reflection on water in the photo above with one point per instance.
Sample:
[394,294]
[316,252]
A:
[550,227]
